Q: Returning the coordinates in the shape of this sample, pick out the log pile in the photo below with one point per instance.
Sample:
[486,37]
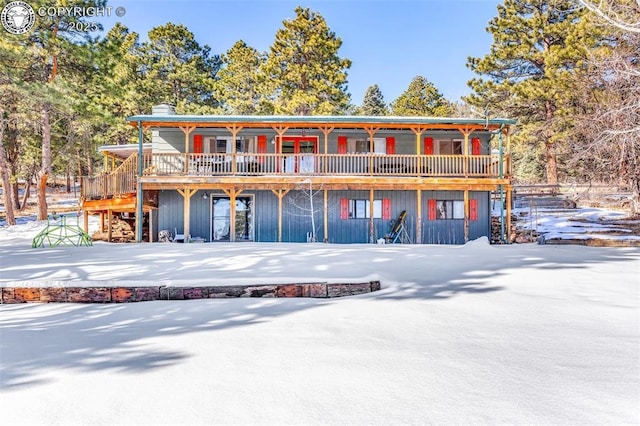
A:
[122,231]
[517,236]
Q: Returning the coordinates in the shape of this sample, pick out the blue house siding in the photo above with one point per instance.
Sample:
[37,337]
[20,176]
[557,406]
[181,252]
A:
[451,231]
[296,221]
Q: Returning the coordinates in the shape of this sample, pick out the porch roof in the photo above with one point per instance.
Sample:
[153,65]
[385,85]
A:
[124,151]
[346,121]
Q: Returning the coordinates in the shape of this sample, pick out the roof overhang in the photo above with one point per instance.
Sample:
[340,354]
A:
[319,121]
[124,151]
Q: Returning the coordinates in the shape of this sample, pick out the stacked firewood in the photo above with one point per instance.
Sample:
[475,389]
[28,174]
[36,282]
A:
[515,235]
[121,232]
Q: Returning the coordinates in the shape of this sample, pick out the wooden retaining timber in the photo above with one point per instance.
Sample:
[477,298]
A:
[12,295]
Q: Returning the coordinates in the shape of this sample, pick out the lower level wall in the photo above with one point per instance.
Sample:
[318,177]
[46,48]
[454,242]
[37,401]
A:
[297,222]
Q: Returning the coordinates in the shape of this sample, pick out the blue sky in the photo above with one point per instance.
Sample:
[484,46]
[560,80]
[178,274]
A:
[389,42]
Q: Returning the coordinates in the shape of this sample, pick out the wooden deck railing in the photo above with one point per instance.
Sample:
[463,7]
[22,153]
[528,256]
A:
[121,180]
[326,164]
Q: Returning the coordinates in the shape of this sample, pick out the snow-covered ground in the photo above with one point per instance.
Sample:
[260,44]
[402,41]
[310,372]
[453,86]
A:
[477,333]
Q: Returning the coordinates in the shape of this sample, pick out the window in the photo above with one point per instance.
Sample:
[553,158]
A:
[361,146]
[449,209]
[449,147]
[222,145]
[359,209]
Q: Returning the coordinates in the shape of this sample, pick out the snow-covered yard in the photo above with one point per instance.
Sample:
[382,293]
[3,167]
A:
[459,334]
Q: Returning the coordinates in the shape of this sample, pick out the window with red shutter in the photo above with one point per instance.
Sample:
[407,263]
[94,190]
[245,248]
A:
[431,209]
[386,208]
[344,208]
[197,144]
[262,147]
[391,145]
[473,209]
[428,146]
[342,144]
[476,147]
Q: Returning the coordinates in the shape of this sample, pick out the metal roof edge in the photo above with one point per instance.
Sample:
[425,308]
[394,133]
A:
[333,119]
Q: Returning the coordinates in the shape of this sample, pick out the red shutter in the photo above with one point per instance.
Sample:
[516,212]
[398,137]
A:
[476,147]
[262,147]
[344,208]
[428,146]
[386,208]
[342,144]
[473,209]
[197,144]
[391,145]
[431,209]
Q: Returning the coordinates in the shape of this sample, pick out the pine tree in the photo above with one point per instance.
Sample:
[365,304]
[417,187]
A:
[238,84]
[537,48]
[177,70]
[306,74]
[421,98]
[373,102]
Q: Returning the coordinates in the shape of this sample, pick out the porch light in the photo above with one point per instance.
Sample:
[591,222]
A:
[205,196]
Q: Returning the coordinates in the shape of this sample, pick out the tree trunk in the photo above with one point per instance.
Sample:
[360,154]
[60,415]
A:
[635,197]
[6,186]
[551,163]
[27,193]
[4,170]
[551,159]
[43,175]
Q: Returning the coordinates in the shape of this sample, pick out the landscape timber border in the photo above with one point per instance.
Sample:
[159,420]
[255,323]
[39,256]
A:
[127,294]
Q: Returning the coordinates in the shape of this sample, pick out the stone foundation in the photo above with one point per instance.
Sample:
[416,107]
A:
[142,294]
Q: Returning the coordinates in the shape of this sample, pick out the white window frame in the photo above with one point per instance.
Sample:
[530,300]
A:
[438,142]
[359,209]
[449,209]
[379,145]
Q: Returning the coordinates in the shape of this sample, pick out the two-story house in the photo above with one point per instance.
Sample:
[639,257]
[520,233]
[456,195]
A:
[337,179]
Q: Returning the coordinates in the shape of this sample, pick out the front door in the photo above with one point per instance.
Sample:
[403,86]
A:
[299,145]
[221,219]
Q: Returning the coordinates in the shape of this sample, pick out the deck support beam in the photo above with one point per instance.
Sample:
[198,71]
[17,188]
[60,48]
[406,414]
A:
[371,131]
[232,194]
[109,225]
[466,215]
[139,192]
[419,216]
[372,230]
[418,131]
[325,212]
[280,193]
[187,130]
[186,195]
[234,130]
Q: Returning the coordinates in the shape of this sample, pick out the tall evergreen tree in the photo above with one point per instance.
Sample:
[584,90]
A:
[421,98]
[307,75]
[537,48]
[47,64]
[177,70]
[238,84]
[373,102]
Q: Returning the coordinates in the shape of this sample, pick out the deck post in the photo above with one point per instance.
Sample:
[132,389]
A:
[418,132]
[326,216]
[419,216]
[466,215]
[372,231]
[280,193]
[139,209]
[186,195]
[233,194]
[110,225]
